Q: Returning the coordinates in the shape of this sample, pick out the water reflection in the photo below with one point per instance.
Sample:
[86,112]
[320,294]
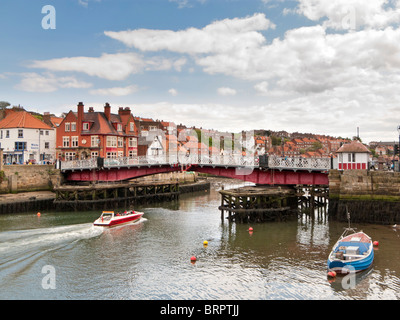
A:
[151,260]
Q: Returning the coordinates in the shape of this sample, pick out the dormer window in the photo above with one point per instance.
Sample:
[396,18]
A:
[85,126]
[131,126]
[119,127]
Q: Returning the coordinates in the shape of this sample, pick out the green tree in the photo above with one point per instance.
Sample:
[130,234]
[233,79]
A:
[276,141]
[315,146]
[4,104]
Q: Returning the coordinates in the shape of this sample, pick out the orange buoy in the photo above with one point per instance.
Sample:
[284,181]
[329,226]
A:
[38,214]
[375,243]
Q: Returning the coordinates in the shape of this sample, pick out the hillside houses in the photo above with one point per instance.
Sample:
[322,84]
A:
[84,133]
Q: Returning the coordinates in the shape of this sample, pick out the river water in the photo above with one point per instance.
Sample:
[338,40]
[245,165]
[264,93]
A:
[60,255]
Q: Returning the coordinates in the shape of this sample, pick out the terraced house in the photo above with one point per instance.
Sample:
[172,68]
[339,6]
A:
[92,134]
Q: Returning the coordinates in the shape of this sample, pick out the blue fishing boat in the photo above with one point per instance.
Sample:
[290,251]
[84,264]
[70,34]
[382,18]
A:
[353,252]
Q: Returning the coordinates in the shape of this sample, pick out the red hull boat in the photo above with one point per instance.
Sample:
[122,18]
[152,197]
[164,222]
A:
[111,219]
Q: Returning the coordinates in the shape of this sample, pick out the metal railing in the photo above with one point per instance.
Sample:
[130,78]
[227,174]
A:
[298,163]
[231,160]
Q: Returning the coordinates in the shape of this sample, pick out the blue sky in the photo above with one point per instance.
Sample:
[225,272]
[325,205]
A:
[322,66]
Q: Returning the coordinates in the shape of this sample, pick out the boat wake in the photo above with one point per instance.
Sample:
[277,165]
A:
[14,242]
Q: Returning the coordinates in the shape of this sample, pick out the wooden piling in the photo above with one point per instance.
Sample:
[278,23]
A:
[257,204]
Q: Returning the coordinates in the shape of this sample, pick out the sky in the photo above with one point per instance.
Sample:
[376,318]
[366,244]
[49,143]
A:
[313,66]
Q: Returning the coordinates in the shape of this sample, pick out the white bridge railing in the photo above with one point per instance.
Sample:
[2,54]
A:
[298,163]
[274,162]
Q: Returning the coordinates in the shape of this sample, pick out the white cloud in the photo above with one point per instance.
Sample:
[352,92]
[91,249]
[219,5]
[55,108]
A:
[109,66]
[225,91]
[116,66]
[34,82]
[115,91]
[173,92]
[219,36]
[341,14]
[85,3]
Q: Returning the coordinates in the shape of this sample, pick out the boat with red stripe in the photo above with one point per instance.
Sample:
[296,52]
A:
[112,219]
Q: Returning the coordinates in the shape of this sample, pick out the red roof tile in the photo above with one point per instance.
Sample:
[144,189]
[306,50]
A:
[22,119]
[353,146]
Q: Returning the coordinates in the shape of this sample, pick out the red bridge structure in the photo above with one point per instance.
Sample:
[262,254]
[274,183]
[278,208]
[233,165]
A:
[264,170]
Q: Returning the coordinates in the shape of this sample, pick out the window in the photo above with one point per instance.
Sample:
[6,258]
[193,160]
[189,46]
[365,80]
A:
[70,156]
[132,153]
[131,126]
[74,141]
[20,146]
[47,145]
[112,155]
[85,126]
[95,141]
[41,132]
[354,157]
[66,142]
[1,134]
[7,133]
[132,142]
[120,154]
[119,127]
[73,126]
[111,141]
[47,132]
[20,133]
[67,126]
[120,142]
[349,157]
[94,154]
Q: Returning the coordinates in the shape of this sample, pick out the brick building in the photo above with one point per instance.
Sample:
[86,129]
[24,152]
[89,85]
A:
[83,135]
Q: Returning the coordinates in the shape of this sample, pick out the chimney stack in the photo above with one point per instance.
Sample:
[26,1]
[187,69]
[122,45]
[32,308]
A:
[124,112]
[46,119]
[107,111]
[80,117]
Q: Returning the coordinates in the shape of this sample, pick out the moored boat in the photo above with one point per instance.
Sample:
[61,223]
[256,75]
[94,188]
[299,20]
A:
[111,219]
[353,252]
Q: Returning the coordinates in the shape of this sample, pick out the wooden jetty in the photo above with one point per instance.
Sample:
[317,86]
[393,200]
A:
[107,196]
[259,203]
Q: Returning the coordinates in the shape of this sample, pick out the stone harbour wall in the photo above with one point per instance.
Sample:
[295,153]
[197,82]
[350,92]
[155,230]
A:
[19,178]
[364,185]
[369,196]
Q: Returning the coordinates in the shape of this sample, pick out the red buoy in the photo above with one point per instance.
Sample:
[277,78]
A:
[193,259]
[331,274]
[250,229]
[375,243]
